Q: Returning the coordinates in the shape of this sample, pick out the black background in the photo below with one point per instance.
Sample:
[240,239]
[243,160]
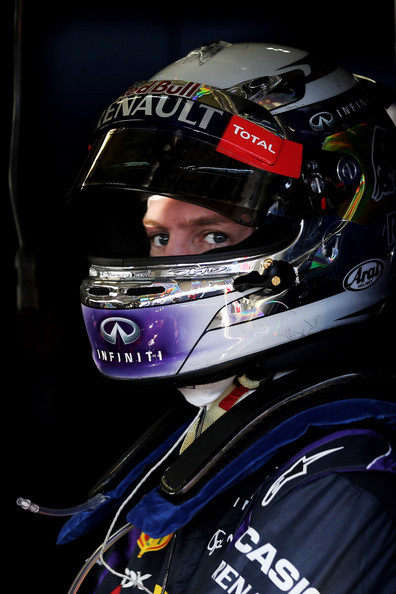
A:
[64,423]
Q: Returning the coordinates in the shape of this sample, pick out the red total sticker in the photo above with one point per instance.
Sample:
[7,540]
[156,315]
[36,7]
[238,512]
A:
[252,144]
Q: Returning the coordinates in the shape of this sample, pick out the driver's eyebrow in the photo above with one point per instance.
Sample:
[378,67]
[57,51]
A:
[196,222]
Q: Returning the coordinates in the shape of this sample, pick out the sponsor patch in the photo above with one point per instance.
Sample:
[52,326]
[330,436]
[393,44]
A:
[147,544]
[165,87]
[254,145]
[364,275]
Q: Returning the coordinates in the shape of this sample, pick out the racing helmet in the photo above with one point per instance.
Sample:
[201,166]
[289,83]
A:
[300,150]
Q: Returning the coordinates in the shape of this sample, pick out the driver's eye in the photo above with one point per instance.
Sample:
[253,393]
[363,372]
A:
[160,239]
[216,237]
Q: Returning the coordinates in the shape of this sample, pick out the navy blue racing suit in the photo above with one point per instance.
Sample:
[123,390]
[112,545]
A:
[305,506]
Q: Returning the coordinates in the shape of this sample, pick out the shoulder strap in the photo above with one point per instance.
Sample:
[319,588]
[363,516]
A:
[266,409]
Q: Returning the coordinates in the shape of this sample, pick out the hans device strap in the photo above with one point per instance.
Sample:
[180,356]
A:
[262,411]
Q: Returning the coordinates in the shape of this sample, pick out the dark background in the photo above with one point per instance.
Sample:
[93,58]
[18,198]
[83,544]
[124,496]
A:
[65,423]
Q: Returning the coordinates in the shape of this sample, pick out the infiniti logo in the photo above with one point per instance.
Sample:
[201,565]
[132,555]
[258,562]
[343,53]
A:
[110,327]
[322,120]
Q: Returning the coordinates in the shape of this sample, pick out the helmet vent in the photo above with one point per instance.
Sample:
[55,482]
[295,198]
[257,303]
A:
[132,292]
[99,291]
[145,291]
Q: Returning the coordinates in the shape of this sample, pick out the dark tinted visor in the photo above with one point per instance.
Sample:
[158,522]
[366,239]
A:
[180,166]
[210,149]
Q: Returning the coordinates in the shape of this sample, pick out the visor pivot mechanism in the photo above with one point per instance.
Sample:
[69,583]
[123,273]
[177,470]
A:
[273,274]
[279,273]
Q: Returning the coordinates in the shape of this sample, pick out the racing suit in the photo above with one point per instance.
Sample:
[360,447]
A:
[296,496]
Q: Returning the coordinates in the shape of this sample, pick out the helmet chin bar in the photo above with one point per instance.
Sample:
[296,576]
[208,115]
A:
[190,323]
[144,321]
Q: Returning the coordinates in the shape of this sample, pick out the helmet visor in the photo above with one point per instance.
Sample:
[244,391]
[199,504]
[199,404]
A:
[207,149]
[180,166]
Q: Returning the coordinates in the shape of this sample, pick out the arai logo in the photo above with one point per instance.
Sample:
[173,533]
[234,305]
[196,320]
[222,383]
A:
[363,276]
